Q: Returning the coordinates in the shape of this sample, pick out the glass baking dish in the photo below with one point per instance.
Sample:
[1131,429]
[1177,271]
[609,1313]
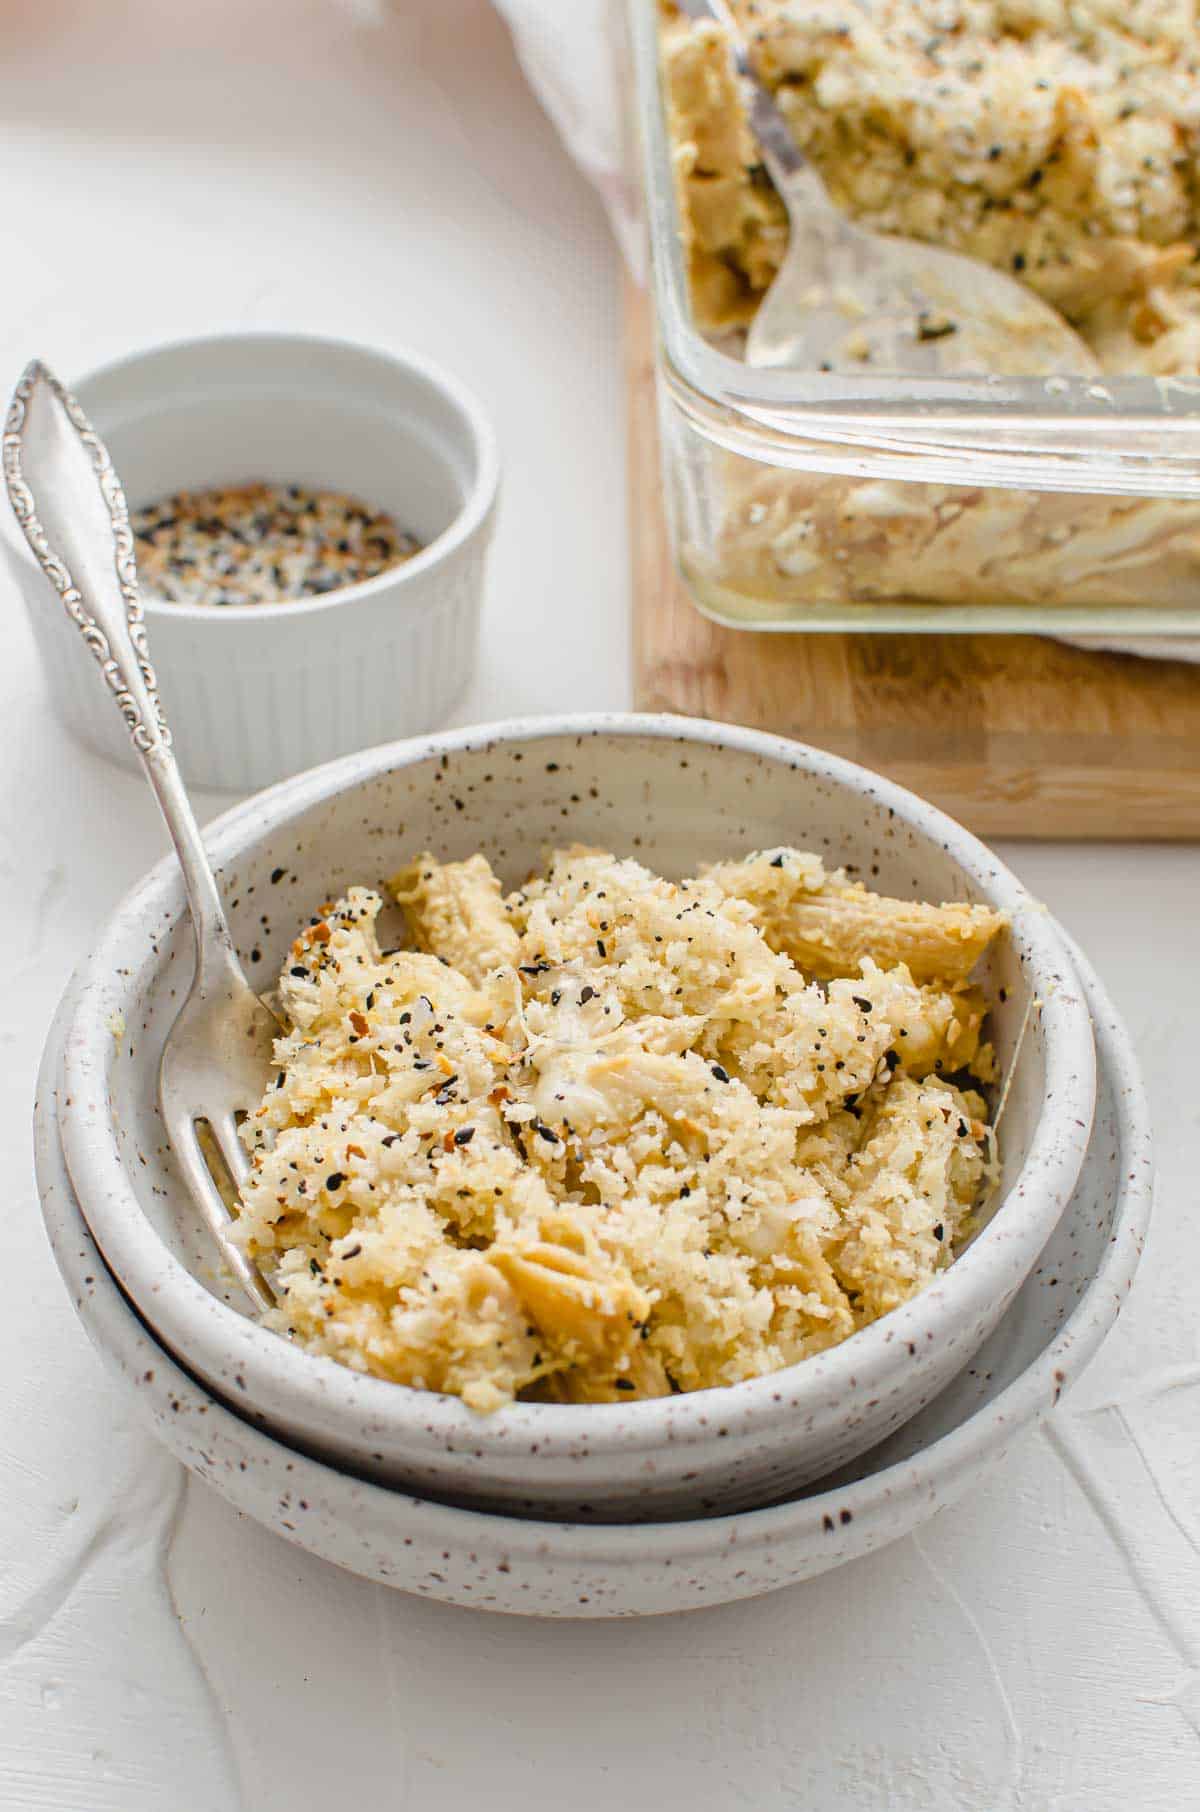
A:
[828,501]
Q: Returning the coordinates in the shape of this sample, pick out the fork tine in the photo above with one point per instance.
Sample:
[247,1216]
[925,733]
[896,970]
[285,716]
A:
[224,1131]
[185,1145]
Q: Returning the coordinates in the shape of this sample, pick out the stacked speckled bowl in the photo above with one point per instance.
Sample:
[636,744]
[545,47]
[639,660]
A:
[609,1509]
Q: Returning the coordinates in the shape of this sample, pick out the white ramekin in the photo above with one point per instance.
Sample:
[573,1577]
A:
[254,693]
[678,792]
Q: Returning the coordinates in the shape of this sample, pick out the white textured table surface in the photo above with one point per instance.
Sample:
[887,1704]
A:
[173,169]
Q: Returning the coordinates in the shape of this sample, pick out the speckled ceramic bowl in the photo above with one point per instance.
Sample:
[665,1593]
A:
[1037,1350]
[676,792]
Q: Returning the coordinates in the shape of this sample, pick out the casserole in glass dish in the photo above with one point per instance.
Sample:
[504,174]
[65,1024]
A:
[857,500]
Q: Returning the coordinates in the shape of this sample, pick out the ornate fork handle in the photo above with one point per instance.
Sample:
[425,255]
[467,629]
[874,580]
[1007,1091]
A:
[77,525]
[127,669]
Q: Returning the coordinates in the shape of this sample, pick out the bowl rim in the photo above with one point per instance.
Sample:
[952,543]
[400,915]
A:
[471,516]
[934,1475]
[135,1251]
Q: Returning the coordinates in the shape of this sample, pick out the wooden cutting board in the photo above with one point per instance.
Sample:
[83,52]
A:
[1014,735]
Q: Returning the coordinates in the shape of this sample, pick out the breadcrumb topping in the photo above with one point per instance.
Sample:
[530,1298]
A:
[1054,139]
[613,1136]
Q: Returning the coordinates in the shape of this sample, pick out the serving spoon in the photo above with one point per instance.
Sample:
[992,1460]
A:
[845,299]
[217,1059]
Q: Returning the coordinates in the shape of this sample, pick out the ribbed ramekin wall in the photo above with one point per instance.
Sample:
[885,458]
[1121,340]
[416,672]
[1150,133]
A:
[253,699]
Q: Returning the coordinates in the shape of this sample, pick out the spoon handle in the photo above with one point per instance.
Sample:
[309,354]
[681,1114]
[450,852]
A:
[69,503]
[791,172]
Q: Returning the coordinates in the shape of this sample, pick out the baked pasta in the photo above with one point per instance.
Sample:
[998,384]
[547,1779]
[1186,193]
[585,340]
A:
[613,1136]
[1058,143]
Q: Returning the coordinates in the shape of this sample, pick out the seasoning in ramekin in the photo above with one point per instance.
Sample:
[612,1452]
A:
[262,544]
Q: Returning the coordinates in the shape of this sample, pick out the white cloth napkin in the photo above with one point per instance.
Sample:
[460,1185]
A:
[568,51]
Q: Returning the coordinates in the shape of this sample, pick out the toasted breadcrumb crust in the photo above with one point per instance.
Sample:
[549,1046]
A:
[613,1136]
[1056,141]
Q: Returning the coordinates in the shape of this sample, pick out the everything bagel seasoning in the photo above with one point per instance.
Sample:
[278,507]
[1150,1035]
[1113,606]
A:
[262,544]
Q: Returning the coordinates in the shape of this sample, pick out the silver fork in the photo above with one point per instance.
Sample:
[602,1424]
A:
[217,1058]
